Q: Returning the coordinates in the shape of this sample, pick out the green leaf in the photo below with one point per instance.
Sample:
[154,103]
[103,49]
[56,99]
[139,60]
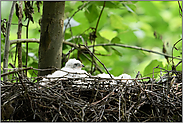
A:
[149,68]
[116,51]
[129,7]
[108,4]
[91,13]
[101,39]
[153,13]
[127,37]
[117,22]
[115,40]
[108,34]
[108,49]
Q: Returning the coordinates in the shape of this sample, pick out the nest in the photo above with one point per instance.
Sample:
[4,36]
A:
[93,99]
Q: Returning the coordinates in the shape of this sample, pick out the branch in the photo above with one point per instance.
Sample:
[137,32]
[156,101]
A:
[24,41]
[99,17]
[96,36]
[74,14]
[98,60]
[7,43]
[180,9]
[16,71]
[135,47]
[19,35]
[83,48]
[173,48]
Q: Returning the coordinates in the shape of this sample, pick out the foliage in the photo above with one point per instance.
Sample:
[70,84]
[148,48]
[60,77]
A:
[145,24]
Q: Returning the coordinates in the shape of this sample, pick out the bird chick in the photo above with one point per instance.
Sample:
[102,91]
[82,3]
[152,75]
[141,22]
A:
[125,76]
[107,76]
[72,69]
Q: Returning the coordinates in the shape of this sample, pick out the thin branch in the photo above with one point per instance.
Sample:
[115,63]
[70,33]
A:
[99,18]
[98,60]
[7,43]
[65,42]
[16,71]
[27,44]
[19,45]
[74,14]
[83,48]
[95,35]
[180,9]
[138,48]
[94,103]
[33,40]
[173,48]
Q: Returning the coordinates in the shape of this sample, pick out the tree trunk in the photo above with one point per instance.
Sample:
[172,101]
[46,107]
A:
[51,39]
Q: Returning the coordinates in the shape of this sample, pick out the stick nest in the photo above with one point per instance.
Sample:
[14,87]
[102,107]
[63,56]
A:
[94,100]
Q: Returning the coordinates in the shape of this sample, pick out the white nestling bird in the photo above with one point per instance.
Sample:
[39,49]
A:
[113,82]
[72,69]
[125,76]
[107,76]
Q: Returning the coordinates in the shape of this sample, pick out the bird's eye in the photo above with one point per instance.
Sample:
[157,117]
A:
[75,65]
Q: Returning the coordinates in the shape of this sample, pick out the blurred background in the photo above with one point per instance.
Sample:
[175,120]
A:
[149,25]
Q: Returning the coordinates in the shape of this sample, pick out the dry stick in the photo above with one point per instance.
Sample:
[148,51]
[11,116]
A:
[19,45]
[119,115]
[153,78]
[24,87]
[27,36]
[174,47]
[94,103]
[16,71]
[7,43]
[178,64]
[33,40]
[82,48]
[96,36]
[98,60]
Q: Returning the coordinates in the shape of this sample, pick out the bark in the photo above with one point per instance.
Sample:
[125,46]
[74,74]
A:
[51,39]
[19,45]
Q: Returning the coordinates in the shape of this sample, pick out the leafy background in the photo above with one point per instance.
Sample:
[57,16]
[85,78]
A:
[131,23]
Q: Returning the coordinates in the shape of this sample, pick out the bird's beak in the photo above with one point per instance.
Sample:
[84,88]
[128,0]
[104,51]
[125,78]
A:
[82,65]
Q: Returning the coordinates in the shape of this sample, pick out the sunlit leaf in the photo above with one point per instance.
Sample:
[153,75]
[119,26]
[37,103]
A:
[101,39]
[116,51]
[91,13]
[115,40]
[108,4]
[108,34]
[117,22]
[149,68]
[108,49]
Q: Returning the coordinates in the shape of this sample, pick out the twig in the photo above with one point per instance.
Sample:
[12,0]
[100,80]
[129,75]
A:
[180,9]
[24,41]
[94,103]
[7,43]
[173,48]
[83,48]
[98,60]
[74,14]
[19,45]
[27,44]
[16,71]
[138,48]
[96,36]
